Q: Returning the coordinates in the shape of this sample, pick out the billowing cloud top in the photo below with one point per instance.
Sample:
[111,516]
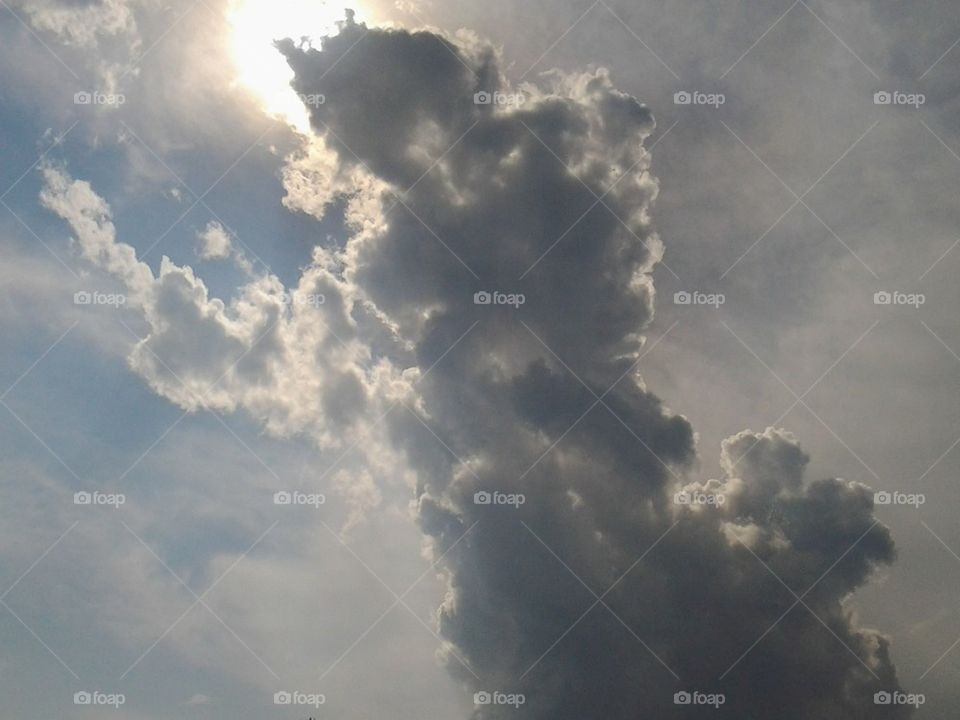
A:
[500,243]
[599,581]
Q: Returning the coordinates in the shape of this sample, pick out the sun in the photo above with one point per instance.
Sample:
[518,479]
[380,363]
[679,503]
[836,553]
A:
[260,68]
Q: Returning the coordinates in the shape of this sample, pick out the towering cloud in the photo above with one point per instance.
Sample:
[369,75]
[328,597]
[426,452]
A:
[496,280]
[603,593]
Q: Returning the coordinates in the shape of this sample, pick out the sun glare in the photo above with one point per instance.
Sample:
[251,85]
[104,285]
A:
[260,67]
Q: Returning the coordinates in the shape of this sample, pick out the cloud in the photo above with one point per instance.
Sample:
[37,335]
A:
[258,351]
[544,401]
[83,24]
[215,242]
[292,358]
[108,27]
[599,594]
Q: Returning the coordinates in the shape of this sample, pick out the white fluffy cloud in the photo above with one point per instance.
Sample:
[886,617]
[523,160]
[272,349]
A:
[215,243]
[292,358]
[289,356]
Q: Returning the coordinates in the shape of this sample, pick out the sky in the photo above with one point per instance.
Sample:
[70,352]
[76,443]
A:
[490,360]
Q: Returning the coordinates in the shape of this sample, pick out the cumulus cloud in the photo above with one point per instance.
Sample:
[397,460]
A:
[601,595]
[283,354]
[291,357]
[214,242]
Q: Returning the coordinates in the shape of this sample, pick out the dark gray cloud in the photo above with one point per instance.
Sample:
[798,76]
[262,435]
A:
[544,400]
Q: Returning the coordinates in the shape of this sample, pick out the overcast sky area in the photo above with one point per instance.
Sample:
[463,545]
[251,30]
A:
[440,359]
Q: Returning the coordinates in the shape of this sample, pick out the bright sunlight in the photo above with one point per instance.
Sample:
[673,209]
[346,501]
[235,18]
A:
[260,68]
